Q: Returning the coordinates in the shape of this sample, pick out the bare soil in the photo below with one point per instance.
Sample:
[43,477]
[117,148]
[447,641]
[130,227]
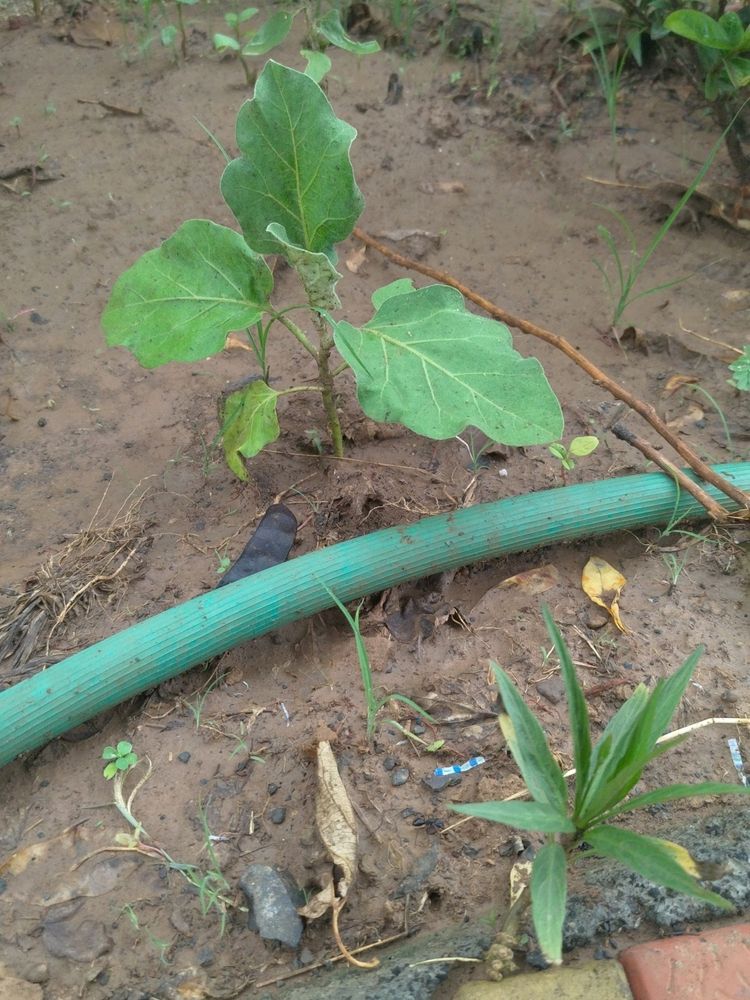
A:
[84,430]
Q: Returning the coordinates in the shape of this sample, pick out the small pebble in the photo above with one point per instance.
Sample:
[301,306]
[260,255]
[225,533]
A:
[438,784]
[418,728]
[273,788]
[183,757]
[306,957]
[389,763]
[277,815]
[600,954]
[409,811]
[42,422]
[205,956]
[399,776]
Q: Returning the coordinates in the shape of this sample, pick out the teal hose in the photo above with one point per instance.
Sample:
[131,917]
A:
[35,710]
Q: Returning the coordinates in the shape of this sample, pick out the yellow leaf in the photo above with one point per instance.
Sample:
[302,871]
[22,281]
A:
[532,581]
[603,584]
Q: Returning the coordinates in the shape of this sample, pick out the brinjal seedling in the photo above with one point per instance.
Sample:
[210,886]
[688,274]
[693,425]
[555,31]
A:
[422,359]
[579,447]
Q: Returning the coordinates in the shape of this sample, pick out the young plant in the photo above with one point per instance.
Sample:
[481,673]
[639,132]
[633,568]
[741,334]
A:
[740,370]
[421,360]
[605,774]
[722,52]
[609,74]
[246,42]
[373,703]
[120,759]
[579,447]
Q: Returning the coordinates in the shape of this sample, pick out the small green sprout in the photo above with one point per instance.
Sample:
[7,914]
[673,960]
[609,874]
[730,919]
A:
[121,759]
[578,448]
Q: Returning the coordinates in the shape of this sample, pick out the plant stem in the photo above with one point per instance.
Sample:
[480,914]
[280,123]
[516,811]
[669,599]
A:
[326,381]
[183,36]
[298,332]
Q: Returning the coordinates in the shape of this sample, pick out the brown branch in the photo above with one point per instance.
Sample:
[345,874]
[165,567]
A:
[649,414]
[715,510]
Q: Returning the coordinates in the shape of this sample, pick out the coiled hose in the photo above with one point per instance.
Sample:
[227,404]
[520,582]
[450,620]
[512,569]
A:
[41,707]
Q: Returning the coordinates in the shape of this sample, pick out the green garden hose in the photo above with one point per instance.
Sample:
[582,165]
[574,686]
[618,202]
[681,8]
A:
[41,707]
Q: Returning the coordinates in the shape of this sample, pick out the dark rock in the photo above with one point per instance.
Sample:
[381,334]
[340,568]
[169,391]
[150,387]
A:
[306,957]
[553,689]
[399,776]
[418,728]
[389,763]
[277,815]
[82,942]
[273,787]
[183,757]
[273,898]
[439,784]
[205,956]
[421,871]
[3,886]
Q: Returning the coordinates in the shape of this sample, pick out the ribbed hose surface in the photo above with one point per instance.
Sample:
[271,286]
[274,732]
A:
[37,709]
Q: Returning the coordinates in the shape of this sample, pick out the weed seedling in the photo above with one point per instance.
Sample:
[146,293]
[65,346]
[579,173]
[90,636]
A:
[16,122]
[373,703]
[675,567]
[421,360]
[579,823]
[609,75]
[579,447]
[740,370]
[120,759]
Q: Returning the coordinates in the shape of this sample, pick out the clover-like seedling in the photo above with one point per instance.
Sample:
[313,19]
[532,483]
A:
[120,759]
[578,448]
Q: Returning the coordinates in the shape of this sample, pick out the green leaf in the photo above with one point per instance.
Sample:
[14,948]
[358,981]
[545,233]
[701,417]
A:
[110,770]
[123,747]
[246,14]
[738,70]
[659,861]
[663,703]
[250,423]
[528,744]
[167,35]
[318,64]
[179,302]
[109,753]
[424,361]
[315,270]
[520,815]
[295,170]
[577,707]
[401,286]
[699,28]
[549,891]
[733,28]
[269,35]
[741,371]
[226,42]
[582,446]
[332,30]
[671,792]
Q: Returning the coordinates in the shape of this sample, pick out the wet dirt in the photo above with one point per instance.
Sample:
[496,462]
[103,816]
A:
[111,160]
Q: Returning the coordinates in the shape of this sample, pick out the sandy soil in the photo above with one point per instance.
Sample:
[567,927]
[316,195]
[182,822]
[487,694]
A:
[84,430]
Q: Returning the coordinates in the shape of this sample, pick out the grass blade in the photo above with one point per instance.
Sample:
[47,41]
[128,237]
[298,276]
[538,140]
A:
[659,861]
[520,815]
[577,708]
[529,746]
[549,891]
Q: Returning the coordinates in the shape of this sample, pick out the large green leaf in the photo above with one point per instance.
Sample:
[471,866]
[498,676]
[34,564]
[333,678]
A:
[521,815]
[577,708]
[549,891]
[250,423]
[671,792]
[332,30]
[179,302]
[424,361]
[659,861]
[295,168]
[700,28]
[315,270]
[529,747]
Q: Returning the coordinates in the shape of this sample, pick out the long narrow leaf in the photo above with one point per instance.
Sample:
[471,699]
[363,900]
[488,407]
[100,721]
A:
[671,792]
[667,696]
[549,890]
[529,746]
[577,708]
[520,815]
[659,861]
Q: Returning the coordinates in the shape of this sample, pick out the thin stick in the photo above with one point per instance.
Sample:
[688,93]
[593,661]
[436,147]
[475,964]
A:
[645,410]
[715,510]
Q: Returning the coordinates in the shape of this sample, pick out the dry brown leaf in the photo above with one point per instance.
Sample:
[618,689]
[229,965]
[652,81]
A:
[692,416]
[356,259]
[532,581]
[19,860]
[676,382]
[450,187]
[234,340]
[100,30]
[603,584]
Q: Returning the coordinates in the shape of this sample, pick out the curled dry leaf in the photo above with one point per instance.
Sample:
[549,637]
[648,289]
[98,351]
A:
[603,584]
[532,581]
[692,416]
[235,341]
[356,259]
[676,382]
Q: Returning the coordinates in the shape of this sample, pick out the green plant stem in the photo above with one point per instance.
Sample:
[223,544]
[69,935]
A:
[326,381]
[298,332]
[183,35]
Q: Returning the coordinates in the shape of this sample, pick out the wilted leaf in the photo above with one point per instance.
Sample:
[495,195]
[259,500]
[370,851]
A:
[332,30]
[19,860]
[532,581]
[337,828]
[315,270]
[250,423]
[603,584]
[692,416]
